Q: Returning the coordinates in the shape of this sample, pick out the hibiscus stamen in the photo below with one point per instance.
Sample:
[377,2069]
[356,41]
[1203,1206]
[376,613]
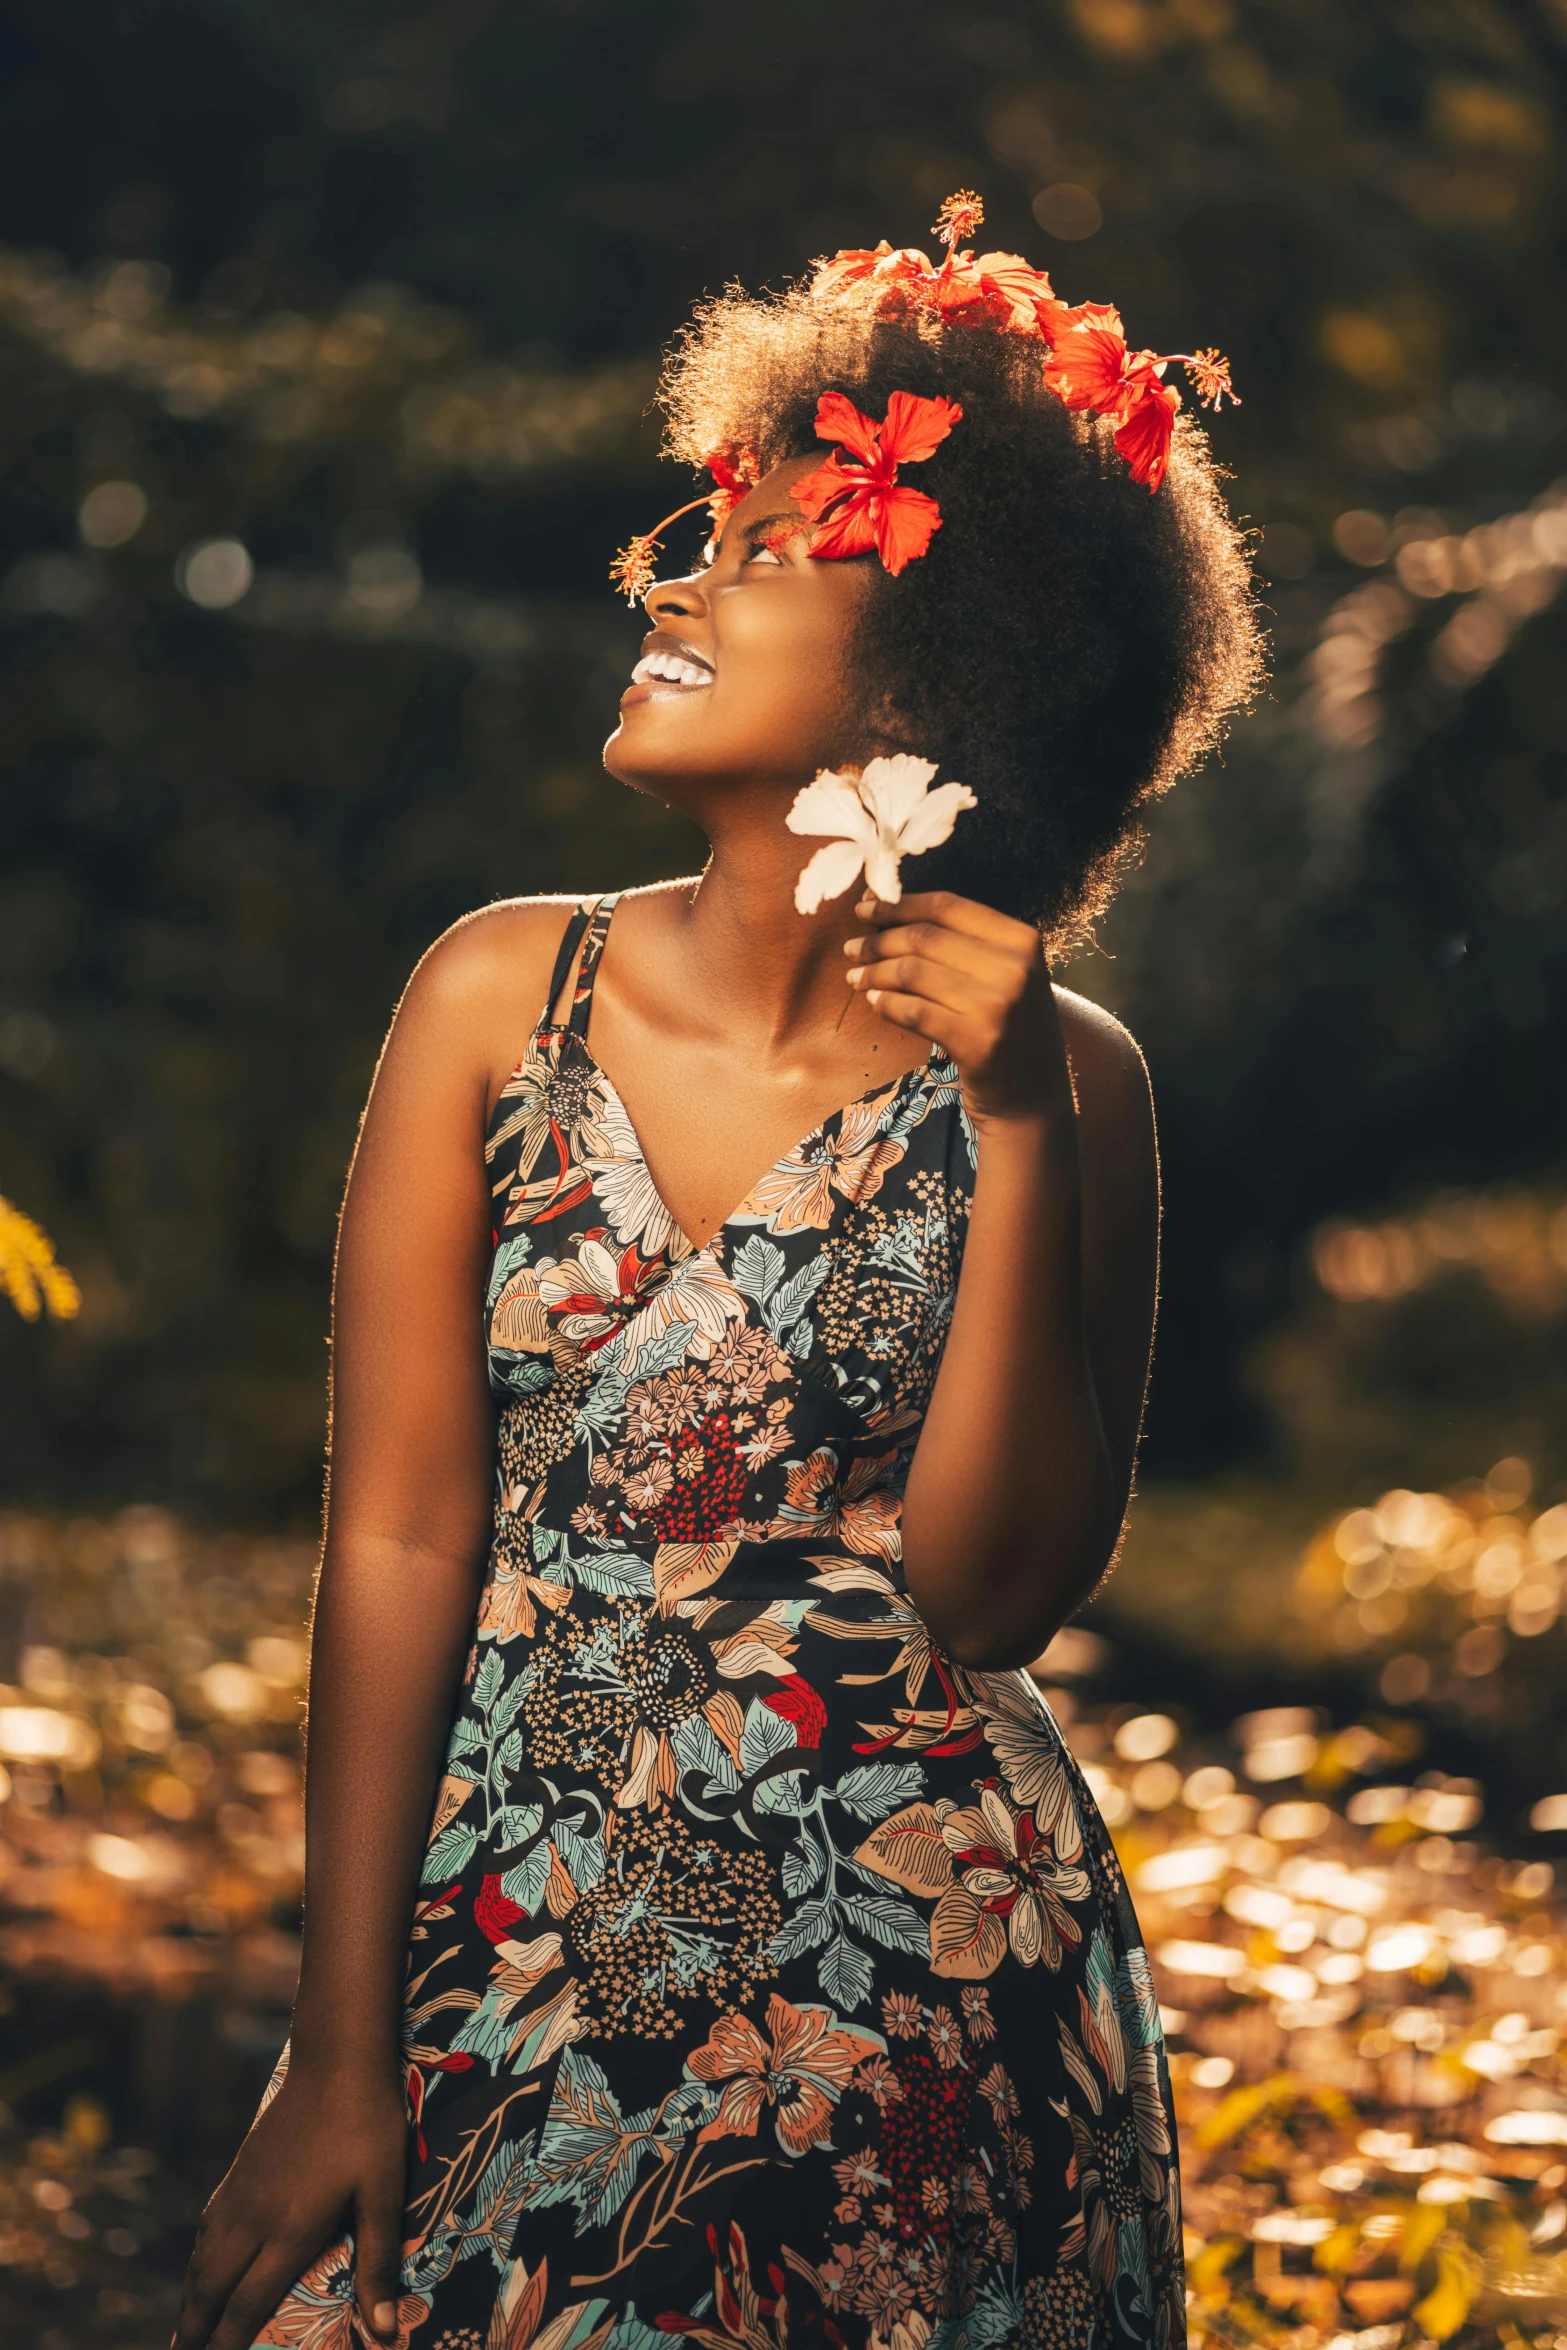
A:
[735,468]
[957,220]
[1208,372]
[634,568]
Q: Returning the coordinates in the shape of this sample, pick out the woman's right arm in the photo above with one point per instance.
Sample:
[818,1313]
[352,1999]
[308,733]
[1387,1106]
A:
[412,1443]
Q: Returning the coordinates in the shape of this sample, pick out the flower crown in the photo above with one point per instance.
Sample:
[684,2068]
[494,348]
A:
[861,504]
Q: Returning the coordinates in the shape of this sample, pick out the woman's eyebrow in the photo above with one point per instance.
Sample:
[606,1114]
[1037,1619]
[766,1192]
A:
[768,529]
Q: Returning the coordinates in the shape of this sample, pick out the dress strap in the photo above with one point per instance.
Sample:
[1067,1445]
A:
[570,939]
[597,924]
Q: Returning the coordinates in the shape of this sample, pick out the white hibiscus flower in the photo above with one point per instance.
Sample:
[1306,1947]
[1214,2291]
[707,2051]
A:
[872,819]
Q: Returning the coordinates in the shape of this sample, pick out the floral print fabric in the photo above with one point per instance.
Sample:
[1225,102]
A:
[773,1980]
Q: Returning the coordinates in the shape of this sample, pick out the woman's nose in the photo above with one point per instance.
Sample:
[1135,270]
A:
[671,599]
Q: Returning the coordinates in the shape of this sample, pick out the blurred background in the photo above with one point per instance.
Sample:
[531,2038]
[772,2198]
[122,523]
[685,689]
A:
[327,341]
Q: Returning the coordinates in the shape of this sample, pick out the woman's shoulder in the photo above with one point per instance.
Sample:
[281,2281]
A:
[1096,1038]
[512,942]
[1109,1074]
[476,993]
[509,944]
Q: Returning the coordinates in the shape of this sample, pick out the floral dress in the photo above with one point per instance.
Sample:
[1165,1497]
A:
[773,1980]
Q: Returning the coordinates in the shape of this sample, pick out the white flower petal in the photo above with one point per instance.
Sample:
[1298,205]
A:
[881,873]
[830,805]
[1026,1927]
[828,874]
[1000,1820]
[932,821]
[893,788]
[601,1267]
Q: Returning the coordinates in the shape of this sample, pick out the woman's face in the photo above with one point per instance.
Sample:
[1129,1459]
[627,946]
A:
[744,678]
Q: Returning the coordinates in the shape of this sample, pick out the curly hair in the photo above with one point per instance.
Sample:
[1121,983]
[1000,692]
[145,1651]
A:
[1069,646]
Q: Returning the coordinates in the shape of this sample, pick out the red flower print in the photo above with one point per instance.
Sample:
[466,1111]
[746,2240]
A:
[709,1483]
[861,504]
[494,1912]
[796,1701]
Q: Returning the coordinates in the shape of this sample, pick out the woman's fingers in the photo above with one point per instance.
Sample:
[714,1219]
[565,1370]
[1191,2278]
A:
[378,2257]
[945,984]
[216,2267]
[966,915]
[257,2295]
[941,945]
[915,1012]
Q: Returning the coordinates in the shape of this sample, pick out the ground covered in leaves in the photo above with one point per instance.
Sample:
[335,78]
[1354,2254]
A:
[1362,1973]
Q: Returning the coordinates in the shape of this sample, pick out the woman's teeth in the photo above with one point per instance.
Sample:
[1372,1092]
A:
[670,668]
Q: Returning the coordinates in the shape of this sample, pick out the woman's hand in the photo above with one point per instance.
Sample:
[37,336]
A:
[322,2157]
[975,982]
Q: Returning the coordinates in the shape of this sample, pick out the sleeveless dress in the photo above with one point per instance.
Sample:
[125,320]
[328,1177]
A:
[773,1981]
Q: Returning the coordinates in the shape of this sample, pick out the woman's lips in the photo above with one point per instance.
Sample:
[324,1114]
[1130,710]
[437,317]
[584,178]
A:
[663,673]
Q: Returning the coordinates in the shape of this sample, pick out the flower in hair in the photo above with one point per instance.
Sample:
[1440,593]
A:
[856,497]
[735,469]
[872,817]
[1089,364]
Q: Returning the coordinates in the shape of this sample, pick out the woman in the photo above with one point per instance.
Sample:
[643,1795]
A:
[770,1978]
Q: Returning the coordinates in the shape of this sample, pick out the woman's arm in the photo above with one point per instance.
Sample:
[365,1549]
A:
[1023,1467]
[406,1534]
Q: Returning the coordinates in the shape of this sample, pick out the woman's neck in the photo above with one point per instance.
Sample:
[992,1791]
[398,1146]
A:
[736,939]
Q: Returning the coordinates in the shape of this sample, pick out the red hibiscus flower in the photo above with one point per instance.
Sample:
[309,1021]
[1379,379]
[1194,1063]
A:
[796,1701]
[1088,361]
[1091,367]
[736,469]
[895,270]
[1143,434]
[861,504]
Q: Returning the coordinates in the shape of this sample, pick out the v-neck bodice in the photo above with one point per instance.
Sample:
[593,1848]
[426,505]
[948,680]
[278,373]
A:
[592,928]
[823,1299]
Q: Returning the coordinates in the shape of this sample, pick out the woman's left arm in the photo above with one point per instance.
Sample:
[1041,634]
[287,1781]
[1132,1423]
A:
[1023,1468]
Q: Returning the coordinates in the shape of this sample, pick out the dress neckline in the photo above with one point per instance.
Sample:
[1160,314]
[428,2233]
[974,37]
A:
[894,1088]
[576,1027]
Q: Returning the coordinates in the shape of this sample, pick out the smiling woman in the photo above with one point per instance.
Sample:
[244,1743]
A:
[707,1931]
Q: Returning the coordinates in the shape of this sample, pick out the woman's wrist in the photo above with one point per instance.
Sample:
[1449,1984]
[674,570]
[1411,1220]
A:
[1045,1129]
[360,2054]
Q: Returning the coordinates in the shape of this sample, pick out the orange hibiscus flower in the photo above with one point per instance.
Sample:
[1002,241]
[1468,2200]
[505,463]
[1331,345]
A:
[800,2070]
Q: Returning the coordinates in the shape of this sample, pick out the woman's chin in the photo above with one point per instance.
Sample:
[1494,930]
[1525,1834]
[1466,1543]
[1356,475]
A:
[655,778]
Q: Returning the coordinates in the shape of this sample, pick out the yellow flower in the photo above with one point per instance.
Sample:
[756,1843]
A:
[29,1275]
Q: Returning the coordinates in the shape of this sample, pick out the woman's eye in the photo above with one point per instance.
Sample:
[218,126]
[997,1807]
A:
[764,554]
